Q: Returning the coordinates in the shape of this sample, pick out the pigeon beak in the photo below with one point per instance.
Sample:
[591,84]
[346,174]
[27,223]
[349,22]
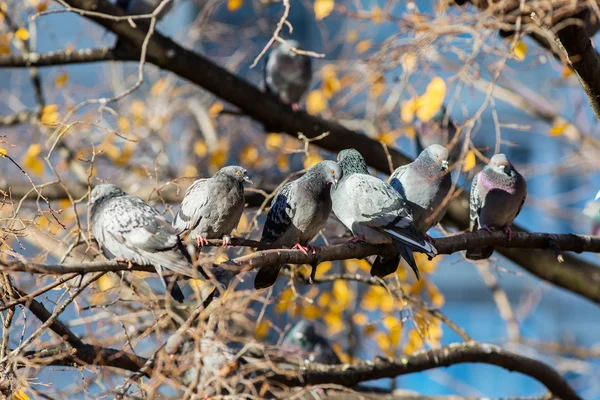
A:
[445,165]
[335,183]
[247,179]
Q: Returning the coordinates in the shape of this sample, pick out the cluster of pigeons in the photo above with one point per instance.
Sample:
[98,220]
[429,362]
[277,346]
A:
[376,212]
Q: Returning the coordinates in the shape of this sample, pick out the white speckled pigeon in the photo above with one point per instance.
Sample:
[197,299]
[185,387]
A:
[212,207]
[436,131]
[303,337]
[132,230]
[287,74]
[497,196]
[375,212]
[298,212]
[424,184]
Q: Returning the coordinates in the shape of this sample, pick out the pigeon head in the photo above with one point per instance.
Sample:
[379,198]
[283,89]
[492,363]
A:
[286,50]
[329,171]
[500,164]
[352,162]
[435,155]
[105,191]
[303,335]
[234,172]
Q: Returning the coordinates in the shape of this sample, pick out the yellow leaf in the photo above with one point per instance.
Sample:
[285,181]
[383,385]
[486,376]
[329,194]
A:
[311,160]
[431,101]
[378,82]
[382,341]
[61,80]
[105,282]
[558,129]
[369,329]
[159,87]
[32,160]
[123,124]
[50,115]
[470,161]
[331,84]
[323,269]
[323,8]
[283,163]
[342,293]
[42,6]
[360,318]
[200,148]
[22,34]
[324,299]
[4,42]
[415,342]
[234,5]
[249,155]
[125,154]
[316,102]
[407,110]
[334,322]
[20,395]
[285,299]
[352,36]
[311,312]
[215,109]
[566,71]
[138,109]
[376,15]
[387,303]
[363,46]
[262,330]
[3,152]
[274,141]
[372,298]
[520,51]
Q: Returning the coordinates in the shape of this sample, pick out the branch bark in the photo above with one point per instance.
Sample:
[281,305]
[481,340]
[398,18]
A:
[425,360]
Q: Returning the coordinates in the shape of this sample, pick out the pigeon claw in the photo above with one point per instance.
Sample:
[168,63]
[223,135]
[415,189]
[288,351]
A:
[508,231]
[303,249]
[201,242]
[357,239]
[489,229]
[124,260]
[429,239]
[313,249]
[226,240]
[295,106]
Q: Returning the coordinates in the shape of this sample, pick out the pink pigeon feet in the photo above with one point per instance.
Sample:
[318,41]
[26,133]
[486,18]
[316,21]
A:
[303,249]
[508,231]
[429,238]
[295,106]
[226,240]
[357,239]
[490,229]
[201,242]
[124,260]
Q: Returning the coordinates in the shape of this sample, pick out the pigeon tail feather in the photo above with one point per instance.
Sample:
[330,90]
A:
[412,240]
[266,276]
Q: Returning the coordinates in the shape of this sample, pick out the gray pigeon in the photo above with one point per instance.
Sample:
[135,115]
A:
[212,207]
[287,74]
[303,337]
[438,131]
[132,230]
[375,212]
[424,184]
[298,212]
[497,196]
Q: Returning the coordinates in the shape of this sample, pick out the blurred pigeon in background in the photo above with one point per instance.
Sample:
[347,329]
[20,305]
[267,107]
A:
[212,207]
[287,73]
[132,230]
[437,131]
[497,196]
[303,337]
[298,212]
[375,212]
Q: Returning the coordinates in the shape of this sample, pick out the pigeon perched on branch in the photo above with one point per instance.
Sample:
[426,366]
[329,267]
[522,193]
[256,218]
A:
[298,212]
[303,337]
[287,73]
[497,196]
[212,207]
[375,212]
[133,231]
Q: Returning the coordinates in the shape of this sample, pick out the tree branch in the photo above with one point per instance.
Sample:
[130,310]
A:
[453,354]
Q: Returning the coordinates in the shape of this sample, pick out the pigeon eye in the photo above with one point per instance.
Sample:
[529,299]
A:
[239,173]
[332,172]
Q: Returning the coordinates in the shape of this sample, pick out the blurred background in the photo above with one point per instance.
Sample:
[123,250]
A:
[374,61]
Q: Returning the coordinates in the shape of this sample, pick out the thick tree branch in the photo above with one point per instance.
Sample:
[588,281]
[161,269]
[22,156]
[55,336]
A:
[425,360]
[573,274]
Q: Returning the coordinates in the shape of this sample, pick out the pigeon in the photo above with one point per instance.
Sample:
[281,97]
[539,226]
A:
[212,207]
[375,212]
[134,231]
[497,196]
[424,184]
[143,7]
[287,73]
[299,211]
[438,131]
[304,338]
